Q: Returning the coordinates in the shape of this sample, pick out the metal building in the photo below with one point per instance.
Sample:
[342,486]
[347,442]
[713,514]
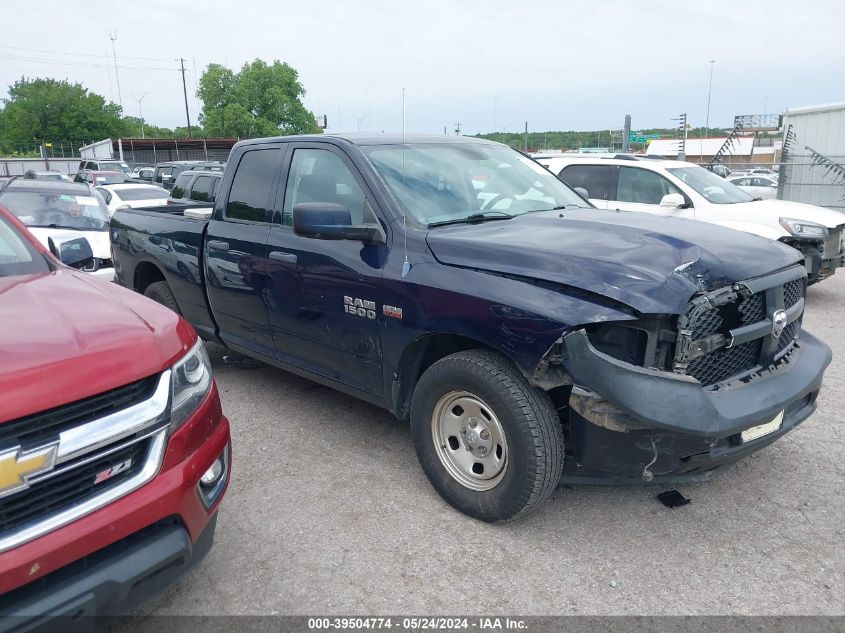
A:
[813,157]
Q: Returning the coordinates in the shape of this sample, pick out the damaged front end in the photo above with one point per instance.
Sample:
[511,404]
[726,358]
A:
[677,398]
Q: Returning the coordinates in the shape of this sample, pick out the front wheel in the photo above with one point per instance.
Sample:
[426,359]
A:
[490,444]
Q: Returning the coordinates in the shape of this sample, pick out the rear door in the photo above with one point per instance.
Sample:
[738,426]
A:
[314,283]
[235,250]
[642,190]
[598,180]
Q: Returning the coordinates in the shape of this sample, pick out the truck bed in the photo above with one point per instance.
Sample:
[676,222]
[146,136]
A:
[154,242]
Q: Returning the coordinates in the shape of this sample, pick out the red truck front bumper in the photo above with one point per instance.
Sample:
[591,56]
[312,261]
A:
[109,561]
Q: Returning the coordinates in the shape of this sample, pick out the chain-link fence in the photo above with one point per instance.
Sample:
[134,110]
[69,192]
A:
[806,178]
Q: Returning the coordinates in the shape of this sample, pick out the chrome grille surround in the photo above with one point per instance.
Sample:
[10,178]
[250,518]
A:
[146,421]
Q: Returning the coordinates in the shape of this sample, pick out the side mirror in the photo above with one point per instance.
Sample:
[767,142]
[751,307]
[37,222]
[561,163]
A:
[72,251]
[672,201]
[582,192]
[328,221]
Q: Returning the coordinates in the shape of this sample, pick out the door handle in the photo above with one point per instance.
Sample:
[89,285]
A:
[217,245]
[280,256]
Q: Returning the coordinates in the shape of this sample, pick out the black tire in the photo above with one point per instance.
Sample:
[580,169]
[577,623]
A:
[531,426]
[160,292]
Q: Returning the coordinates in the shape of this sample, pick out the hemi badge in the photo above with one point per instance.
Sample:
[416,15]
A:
[392,311]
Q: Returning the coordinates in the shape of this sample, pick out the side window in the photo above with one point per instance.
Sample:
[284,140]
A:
[251,186]
[598,180]
[319,175]
[201,189]
[642,186]
[180,185]
[105,193]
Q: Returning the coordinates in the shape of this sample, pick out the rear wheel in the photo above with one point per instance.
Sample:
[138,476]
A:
[490,444]
[160,291]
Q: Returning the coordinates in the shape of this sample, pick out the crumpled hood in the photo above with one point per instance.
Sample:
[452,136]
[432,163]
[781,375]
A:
[628,257]
[65,336]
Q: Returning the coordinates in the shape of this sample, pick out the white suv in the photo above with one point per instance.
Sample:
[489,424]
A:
[678,189]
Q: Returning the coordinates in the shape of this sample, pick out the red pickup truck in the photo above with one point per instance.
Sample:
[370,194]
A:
[114,450]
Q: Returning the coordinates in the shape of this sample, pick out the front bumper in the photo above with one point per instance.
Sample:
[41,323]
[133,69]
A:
[662,425]
[191,450]
[111,581]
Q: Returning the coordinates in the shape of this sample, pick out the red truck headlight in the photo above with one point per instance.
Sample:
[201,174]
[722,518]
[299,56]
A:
[191,380]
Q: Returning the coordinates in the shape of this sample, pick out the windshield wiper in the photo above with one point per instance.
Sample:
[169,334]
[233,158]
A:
[54,226]
[474,218]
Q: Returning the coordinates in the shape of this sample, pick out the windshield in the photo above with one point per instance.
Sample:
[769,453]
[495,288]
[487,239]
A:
[110,179]
[440,182]
[714,188]
[17,256]
[115,166]
[40,209]
[145,193]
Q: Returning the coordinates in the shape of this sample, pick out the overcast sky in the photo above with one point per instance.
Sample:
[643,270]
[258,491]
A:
[488,64]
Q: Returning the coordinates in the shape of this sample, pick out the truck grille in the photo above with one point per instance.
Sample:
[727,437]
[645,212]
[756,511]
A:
[46,425]
[72,486]
[100,449]
[719,321]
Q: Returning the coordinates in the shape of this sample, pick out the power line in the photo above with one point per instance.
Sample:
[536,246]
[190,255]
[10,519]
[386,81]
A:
[80,64]
[54,52]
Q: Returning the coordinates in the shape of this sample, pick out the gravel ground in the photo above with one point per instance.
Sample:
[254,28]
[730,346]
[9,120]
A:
[328,512]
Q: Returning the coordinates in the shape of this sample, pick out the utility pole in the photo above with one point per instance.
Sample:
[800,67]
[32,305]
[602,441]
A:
[113,39]
[140,114]
[185,92]
[709,91]
[457,129]
[526,137]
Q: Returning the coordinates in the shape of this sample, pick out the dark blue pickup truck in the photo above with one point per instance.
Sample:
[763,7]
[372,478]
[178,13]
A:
[528,337]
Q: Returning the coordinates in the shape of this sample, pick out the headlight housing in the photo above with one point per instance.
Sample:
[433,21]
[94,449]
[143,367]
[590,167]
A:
[190,382]
[800,228]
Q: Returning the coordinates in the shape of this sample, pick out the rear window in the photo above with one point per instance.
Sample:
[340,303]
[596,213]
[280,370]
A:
[250,193]
[147,193]
[180,185]
[17,255]
[598,180]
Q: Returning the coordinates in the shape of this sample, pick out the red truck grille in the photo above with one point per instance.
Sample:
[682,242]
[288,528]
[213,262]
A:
[47,425]
[73,486]
[97,450]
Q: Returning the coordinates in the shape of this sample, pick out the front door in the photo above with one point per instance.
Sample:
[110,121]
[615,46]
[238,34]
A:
[235,250]
[323,294]
[642,190]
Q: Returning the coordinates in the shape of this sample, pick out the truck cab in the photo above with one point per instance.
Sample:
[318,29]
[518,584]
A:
[527,336]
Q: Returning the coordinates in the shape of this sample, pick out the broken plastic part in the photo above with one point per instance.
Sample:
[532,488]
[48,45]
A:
[673,499]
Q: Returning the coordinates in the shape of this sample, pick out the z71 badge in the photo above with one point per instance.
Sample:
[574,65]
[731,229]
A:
[359,307]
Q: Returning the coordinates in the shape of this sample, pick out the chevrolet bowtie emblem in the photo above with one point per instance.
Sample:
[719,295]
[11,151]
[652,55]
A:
[17,467]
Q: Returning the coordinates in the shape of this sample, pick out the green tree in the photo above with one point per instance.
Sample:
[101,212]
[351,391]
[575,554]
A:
[51,110]
[260,100]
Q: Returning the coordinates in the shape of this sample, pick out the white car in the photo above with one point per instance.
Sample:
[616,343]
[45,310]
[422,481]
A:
[55,212]
[758,186]
[132,196]
[679,189]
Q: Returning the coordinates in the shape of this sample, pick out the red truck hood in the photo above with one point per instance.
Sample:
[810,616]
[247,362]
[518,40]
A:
[65,336]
